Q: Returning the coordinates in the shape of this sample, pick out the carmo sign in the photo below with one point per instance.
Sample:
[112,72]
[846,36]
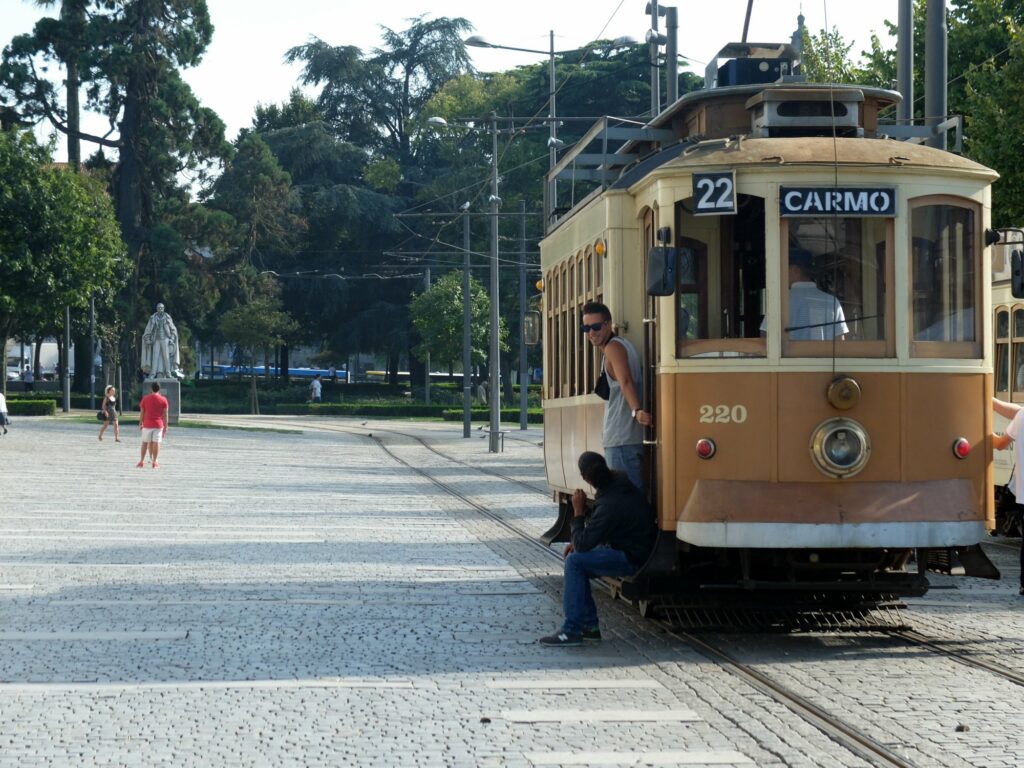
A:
[844,201]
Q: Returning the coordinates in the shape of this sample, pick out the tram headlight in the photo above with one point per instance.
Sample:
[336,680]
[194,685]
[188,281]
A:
[840,447]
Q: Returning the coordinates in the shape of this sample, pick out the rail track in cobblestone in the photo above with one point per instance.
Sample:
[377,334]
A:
[359,431]
[839,731]
[843,733]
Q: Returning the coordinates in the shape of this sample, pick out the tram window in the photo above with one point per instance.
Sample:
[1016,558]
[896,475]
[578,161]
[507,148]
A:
[944,274]
[1002,382]
[836,272]
[720,281]
[1018,351]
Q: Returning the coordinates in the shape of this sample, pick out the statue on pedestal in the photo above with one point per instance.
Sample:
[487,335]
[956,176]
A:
[161,356]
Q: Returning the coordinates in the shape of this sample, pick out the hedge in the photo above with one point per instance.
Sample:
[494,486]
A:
[22,407]
[381,410]
[533,415]
[57,398]
[399,410]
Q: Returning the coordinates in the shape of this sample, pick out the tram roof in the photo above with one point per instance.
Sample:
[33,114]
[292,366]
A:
[812,150]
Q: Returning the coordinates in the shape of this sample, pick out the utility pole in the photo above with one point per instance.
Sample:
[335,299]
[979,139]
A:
[92,353]
[495,351]
[522,315]
[467,351]
[426,364]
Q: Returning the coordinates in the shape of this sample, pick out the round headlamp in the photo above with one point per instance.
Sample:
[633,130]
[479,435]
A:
[840,447]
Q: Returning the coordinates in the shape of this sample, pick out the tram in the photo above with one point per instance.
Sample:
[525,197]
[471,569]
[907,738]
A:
[1008,373]
[830,457]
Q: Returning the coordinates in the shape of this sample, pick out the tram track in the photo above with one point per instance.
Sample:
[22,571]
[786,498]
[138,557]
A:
[843,733]
[364,431]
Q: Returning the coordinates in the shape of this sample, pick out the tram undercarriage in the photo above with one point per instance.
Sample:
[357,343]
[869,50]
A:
[706,587]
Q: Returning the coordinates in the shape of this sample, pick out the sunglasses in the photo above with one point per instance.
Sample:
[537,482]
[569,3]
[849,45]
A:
[592,327]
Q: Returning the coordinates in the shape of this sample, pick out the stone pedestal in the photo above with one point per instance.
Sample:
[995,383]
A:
[171,389]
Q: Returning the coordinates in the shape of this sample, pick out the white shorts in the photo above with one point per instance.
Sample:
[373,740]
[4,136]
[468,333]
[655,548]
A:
[152,434]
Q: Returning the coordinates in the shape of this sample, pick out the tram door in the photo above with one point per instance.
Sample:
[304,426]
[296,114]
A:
[650,359]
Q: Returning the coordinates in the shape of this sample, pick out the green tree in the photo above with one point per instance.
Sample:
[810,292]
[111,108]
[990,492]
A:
[437,315]
[59,240]
[129,56]
[257,327]
[258,194]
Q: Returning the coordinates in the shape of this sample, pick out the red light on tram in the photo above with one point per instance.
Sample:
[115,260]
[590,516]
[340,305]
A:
[961,448]
[706,448]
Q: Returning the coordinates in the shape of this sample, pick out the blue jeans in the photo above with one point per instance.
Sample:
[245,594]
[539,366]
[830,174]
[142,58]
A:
[628,459]
[580,568]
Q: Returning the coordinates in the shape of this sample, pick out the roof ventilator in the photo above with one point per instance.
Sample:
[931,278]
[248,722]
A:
[806,111]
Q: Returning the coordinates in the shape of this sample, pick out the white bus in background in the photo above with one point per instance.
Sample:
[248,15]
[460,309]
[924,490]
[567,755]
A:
[21,354]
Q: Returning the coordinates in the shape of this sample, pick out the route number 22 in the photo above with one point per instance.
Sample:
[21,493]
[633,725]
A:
[723,414]
[715,193]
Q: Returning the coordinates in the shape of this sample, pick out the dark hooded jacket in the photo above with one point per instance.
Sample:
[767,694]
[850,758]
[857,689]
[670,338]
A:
[622,519]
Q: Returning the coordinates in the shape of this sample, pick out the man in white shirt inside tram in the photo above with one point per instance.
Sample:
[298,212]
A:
[814,315]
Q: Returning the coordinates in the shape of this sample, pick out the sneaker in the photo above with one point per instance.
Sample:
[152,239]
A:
[594,633]
[141,464]
[562,640]
[156,465]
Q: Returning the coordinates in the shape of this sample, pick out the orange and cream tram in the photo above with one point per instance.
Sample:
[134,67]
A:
[783,458]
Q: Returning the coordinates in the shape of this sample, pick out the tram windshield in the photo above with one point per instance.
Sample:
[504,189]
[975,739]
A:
[835,271]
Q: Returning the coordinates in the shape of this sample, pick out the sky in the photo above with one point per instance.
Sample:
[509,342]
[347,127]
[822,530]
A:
[244,65]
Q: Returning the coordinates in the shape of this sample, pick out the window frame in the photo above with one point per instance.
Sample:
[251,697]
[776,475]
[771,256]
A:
[964,350]
[872,348]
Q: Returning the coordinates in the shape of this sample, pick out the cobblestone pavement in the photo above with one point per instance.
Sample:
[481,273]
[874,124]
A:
[269,598]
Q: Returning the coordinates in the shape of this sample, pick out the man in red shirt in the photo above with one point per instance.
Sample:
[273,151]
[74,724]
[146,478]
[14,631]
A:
[153,410]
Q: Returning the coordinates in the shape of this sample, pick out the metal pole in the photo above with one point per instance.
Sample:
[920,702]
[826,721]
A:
[64,372]
[905,61]
[671,55]
[522,315]
[652,7]
[467,350]
[495,369]
[426,364]
[552,201]
[935,69]
[92,353]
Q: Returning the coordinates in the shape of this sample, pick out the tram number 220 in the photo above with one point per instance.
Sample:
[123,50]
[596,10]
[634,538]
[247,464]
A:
[723,414]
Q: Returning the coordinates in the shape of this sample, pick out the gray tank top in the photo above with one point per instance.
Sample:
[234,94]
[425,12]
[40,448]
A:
[620,428]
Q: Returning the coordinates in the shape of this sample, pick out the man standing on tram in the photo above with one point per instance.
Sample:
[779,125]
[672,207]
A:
[622,434]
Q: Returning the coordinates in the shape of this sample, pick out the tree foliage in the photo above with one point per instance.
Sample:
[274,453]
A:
[437,315]
[59,240]
[129,55]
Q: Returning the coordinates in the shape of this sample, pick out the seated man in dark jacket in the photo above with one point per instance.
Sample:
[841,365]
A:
[616,541]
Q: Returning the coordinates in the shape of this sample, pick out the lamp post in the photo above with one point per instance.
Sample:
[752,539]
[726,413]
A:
[494,361]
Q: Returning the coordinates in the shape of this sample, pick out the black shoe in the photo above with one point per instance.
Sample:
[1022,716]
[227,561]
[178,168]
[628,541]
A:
[594,633]
[562,640]
[1020,591]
